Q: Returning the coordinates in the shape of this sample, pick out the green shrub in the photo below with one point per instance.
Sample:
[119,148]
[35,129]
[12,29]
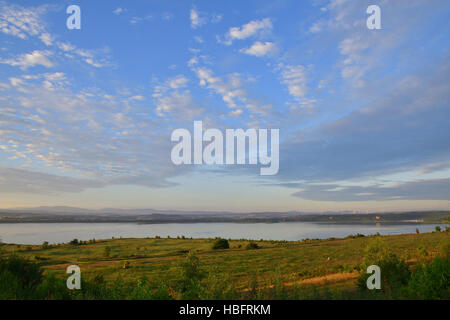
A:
[252,245]
[192,276]
[19,277]
[221,244]
[375,251]
[395,275]
[431,281]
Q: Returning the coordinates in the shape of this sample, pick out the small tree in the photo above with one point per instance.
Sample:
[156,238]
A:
[45,245]
[192,277]
[74,242]
[375,251]
[437,228]
[221,244]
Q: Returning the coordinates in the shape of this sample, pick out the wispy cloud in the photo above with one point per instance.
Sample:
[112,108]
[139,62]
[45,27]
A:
[32,59]
[251,29]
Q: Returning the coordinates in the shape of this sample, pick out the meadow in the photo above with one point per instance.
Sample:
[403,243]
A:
[245,269]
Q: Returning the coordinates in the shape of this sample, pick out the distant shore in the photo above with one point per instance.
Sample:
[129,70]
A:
[424,217]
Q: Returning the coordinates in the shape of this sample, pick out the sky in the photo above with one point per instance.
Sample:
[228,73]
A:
[86,115]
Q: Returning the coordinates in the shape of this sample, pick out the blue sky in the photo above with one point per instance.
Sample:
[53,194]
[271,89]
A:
[86,115]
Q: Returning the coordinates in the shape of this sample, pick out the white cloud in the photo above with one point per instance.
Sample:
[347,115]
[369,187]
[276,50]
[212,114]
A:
[136,20]
[118,11]
[259,49]
[86,134]
[88,56]
[65,46]
[32,59]
[47,39]
[196,20]
[179,81]
[236,113]
[316,27]
[198,39]
[172,101]
[199,19]
[295,78]
[193,61]
[248,30]
[230,90]
[23,22]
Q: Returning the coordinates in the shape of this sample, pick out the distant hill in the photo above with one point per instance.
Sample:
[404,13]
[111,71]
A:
[72,214]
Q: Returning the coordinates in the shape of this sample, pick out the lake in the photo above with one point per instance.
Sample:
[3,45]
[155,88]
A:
[37,233]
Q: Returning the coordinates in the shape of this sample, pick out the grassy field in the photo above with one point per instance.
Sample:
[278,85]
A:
[332,262]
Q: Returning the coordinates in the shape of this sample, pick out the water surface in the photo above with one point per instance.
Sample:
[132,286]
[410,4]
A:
[37,233]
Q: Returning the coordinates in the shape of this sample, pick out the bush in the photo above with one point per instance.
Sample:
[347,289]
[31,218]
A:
[192,276]
[252,245]
[395,275]
[221,244]
[74,242]
[375,251]
[431,281]
[19,278]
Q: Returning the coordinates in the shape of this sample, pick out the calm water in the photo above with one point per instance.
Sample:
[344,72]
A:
[37,233]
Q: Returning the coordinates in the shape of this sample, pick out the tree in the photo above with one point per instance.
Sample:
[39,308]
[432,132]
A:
[437,228]
[74,242]
[192,276]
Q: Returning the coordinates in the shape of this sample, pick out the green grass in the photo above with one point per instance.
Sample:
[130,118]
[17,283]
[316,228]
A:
[161,259]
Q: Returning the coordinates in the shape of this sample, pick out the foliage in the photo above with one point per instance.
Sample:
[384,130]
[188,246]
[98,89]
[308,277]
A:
[192,276]
[19,277]
[375,251]
[431,281]
[221,244]
[251,245]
